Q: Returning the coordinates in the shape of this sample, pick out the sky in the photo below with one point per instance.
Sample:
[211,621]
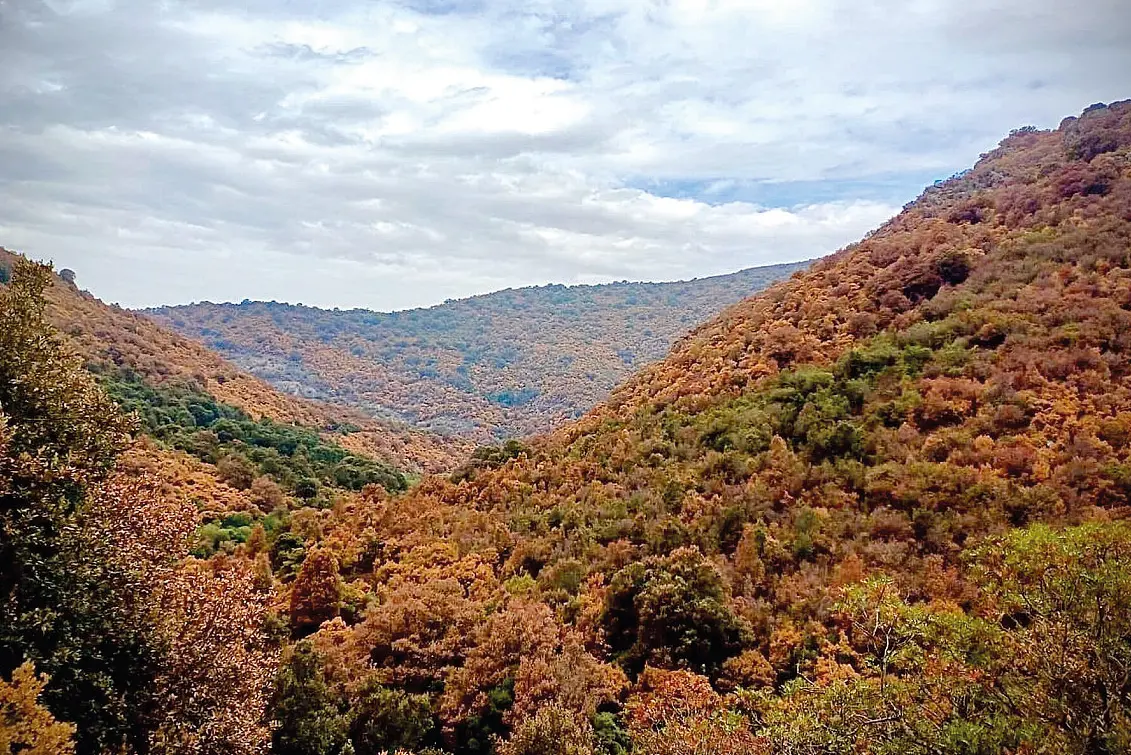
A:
[380,154]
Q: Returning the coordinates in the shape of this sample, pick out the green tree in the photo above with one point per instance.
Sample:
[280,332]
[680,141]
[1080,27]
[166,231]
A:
[388,720]
[672,612]
[1067,658]
[59,439]
[310,722]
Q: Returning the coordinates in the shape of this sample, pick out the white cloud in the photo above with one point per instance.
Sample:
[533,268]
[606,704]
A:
[391,154]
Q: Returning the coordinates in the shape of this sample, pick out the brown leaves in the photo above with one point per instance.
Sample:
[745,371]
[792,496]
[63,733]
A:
[317,592]
[217,668]
[206,619]
[678,713]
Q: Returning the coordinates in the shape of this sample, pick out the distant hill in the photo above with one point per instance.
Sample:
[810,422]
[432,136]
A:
[511,363]
[122,345]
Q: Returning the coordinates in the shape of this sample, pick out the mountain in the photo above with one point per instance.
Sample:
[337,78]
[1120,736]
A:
[878,508]
[511,363]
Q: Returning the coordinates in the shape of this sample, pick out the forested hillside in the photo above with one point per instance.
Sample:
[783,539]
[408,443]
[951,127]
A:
[879,508]
[137,355]
[141,477]
[511,363]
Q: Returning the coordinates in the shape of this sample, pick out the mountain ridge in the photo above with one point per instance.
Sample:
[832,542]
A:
[514,362]
[112,338]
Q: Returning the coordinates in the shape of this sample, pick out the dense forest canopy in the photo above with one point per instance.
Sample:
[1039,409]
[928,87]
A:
[881,507]
[507,364]
[877,508]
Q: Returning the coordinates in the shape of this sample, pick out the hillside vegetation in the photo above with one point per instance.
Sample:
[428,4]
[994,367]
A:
[511,363]
[124,346]
[878,508]
[142,480]
[881,508]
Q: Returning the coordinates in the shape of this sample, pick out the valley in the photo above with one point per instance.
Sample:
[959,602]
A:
[874,504]
[509,364]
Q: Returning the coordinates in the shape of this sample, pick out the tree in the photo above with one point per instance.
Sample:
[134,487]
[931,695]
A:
[317,592]
[387,719]
[216,671]
[266,494]
[307,489]
[672,612]
[59,439]
[26,727]
[309,722]
[145,651]
[677,712]
[1067,660]
[552,730]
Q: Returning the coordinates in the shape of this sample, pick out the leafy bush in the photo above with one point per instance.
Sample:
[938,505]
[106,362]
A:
[310,721]
[387,720]
[672,612]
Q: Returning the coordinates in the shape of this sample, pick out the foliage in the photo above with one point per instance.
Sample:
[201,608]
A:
[187,419]
[1067,656]
[824,523]
[146,651]
[309,720]
[61,437]
[384,720]
[674,712]
[474,367]
[672,611]
[1044,670]
[478,733]
[317,592]
[111,339]
[550,731]
[880,508]
[26,727]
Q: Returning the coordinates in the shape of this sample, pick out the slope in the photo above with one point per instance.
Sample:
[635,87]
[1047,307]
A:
[877,508]
[510,363]
[115,342]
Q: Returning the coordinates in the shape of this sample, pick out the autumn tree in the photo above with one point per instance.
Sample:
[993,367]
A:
[677,712]
[552,730]
[316,593]
[26,727]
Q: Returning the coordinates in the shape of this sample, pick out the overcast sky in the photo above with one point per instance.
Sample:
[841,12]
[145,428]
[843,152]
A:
[395,154]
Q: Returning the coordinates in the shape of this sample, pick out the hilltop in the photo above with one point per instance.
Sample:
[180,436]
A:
[511,363]
[823,524]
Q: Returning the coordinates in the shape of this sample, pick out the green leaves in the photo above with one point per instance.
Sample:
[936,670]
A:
[186,418]
[310,722]
[672,612]
[59,602]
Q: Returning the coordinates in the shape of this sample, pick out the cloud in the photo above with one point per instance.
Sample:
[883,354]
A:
[390,153]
